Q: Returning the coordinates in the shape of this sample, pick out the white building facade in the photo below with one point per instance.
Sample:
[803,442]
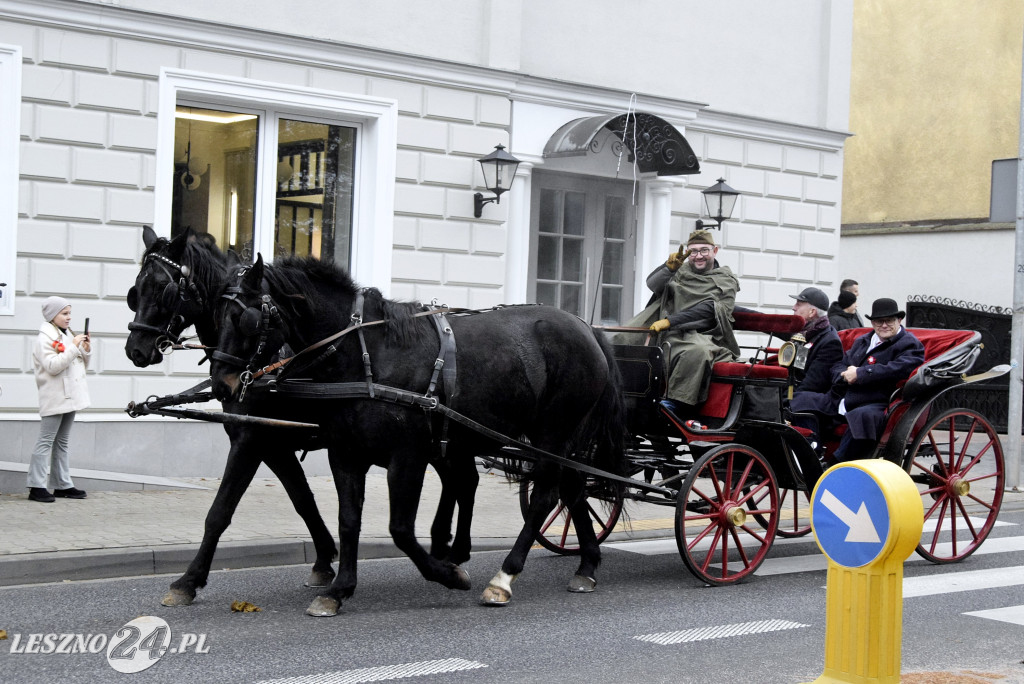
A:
[96,97]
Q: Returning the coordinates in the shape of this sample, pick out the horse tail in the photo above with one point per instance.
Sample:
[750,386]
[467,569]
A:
[604,428]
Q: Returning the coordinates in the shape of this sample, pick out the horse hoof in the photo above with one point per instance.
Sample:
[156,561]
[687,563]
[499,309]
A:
[582,585]
[177,597]
[320,579]
[495,596]
[461,579]
[323,606]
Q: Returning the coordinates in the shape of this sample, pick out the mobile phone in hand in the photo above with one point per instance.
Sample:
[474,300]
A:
[86,331]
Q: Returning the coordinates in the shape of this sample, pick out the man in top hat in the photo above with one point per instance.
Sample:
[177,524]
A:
[865,378]
[824,349]
[691,309]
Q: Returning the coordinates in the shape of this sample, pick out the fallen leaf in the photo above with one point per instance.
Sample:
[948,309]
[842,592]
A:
[3,634]
[244,607]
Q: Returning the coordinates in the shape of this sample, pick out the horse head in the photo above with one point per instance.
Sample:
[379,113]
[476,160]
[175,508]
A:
[252,329]
[171,293]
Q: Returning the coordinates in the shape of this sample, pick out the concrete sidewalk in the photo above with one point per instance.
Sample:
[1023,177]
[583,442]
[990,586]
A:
[114,534]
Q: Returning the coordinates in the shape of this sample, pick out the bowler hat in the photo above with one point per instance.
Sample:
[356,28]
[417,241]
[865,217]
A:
[885,308]
[813,296]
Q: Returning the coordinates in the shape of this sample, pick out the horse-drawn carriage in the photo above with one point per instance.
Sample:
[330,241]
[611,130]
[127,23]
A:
[739,473]
[536,392]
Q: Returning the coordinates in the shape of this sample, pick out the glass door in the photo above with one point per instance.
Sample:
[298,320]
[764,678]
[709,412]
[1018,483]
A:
[582,243]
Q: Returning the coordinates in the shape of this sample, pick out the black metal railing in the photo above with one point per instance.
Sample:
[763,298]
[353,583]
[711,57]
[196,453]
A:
[991,398]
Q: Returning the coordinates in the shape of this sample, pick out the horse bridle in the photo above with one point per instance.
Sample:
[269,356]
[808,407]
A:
[251,322]
[181,292]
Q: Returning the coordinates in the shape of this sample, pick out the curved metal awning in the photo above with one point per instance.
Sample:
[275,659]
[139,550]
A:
[657,145]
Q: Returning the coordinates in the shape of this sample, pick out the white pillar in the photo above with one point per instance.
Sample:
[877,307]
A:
[517,250]
[652,240]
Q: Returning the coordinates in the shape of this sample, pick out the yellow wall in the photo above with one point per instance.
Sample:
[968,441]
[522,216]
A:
[934,98]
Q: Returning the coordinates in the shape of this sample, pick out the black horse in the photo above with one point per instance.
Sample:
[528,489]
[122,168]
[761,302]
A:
[176,288]
[528,371]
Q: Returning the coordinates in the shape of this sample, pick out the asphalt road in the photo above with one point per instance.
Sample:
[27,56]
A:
[767,630]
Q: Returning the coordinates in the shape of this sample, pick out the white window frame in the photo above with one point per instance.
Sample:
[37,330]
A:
[10,146]
[375,164]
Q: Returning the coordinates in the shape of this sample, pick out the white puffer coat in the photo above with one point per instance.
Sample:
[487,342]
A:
[60,375]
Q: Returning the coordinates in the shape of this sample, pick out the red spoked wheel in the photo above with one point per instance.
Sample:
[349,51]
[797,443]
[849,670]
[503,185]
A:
[957,462]
[794,512]
[717,539]
[558,532]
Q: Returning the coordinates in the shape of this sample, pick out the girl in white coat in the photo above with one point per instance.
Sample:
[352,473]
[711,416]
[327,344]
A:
[60,358]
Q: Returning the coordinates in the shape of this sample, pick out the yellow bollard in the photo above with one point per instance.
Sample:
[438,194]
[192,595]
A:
[867,518]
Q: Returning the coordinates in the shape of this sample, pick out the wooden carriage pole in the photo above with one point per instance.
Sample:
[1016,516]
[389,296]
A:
[1016,403]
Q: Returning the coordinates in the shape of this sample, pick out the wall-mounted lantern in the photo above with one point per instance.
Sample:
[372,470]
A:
[719,200]
[499,169]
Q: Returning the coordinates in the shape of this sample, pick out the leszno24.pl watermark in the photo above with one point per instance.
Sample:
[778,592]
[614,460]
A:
[133,648]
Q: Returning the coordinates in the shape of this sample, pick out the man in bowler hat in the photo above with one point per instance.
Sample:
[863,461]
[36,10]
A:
[865,378]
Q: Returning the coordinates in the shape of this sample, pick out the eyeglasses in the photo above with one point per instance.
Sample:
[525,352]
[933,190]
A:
[703,251]
[890,322]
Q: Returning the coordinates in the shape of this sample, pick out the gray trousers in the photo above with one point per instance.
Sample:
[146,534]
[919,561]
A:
[50,457]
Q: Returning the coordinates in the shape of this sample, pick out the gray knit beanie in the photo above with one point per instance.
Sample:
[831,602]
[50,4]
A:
[53,306]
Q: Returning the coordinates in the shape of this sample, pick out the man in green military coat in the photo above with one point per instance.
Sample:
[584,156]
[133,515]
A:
[691,310]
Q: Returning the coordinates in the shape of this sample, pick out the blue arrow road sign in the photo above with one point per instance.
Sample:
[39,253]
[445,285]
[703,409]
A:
[850,517]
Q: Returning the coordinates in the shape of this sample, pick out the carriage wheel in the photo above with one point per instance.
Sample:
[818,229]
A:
[957,463]
[794,512]
[719,543]
[557,532]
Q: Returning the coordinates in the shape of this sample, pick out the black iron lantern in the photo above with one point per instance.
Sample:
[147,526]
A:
[499,169]
[719,200]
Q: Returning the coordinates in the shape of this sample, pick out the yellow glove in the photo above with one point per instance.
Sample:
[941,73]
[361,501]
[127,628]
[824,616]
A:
[658,326]
[676,259]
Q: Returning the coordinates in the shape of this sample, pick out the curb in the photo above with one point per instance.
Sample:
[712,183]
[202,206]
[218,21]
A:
[66,566]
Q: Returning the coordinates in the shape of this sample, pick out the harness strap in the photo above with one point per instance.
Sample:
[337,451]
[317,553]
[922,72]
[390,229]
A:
[355,390]
[357,319]
[446,357]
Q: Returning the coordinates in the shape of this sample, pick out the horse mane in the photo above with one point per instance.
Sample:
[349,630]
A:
[297,277]
[402,327]
[203,258]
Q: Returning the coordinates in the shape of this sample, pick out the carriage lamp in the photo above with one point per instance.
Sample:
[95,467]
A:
[719,200]
[499,169]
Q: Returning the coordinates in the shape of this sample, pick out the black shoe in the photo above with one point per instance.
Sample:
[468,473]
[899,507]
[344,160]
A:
[39,494]
[69,493]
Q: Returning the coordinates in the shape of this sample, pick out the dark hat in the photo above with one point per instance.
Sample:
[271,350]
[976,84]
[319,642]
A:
[885,308]
[814,297]
[846,299]
[701,237]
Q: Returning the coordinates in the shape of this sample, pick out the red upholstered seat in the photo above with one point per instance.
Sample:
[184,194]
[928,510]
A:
[747,370]
[724,376]
[935,341]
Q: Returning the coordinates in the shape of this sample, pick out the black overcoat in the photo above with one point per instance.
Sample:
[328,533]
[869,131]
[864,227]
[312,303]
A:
[878,374]
[824,350]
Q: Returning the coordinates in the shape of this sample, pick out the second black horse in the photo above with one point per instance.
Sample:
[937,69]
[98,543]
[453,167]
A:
[524,371]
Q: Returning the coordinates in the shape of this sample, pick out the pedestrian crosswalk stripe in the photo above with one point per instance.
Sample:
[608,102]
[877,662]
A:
[383,673]
[719,632]
[811,563]
[961,524]
[815,561]
[969,580]
[1012,614]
